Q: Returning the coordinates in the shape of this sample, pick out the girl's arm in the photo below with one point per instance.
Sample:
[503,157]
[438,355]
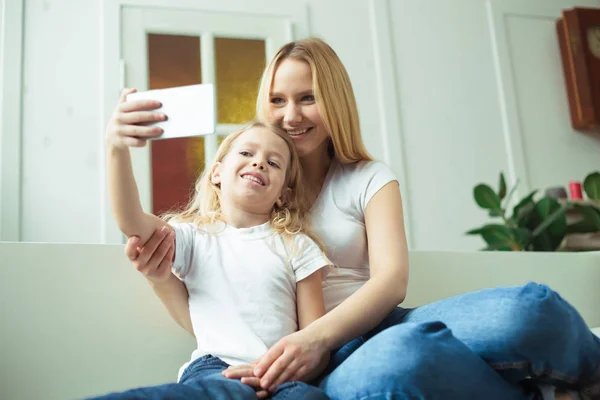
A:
[309,299]
[124,196]
[123,131]
[363,310]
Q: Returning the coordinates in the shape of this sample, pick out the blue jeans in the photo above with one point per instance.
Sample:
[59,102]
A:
[202,379]
[490,344]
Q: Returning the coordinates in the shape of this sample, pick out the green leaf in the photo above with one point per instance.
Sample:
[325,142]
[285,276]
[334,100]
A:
[549,224]
[523,237]
[497,247]
[522,211]
[486,198]
[496,236]
[591,185]
[502,187]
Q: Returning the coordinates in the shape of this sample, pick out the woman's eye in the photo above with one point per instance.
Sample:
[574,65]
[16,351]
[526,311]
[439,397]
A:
[276,100]
[308,97]
[273,164]
[245,153]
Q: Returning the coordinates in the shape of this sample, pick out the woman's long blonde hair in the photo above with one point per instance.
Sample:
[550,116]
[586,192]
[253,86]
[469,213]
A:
[333,93]
[291,218]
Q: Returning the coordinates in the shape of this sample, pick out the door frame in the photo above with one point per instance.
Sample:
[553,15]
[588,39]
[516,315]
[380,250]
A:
[11,100]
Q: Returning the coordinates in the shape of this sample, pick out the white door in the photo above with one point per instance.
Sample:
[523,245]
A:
[194,46]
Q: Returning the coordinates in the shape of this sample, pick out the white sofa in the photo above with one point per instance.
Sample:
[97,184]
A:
[78,320]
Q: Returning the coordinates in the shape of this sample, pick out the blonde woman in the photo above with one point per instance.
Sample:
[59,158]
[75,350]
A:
[494,344]
[245,268]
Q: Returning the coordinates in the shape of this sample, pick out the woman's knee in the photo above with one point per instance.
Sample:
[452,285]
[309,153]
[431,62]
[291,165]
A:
[530,311]
[410,360]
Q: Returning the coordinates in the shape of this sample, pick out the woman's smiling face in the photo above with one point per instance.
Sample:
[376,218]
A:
[292,105]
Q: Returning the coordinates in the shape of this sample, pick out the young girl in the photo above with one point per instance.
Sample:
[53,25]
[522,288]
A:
[243,250]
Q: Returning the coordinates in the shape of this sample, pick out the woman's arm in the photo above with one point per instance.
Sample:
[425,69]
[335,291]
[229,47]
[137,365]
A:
[388,259]
[154,261]
[386,288]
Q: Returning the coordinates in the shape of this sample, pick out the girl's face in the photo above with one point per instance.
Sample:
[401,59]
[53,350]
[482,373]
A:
[292,105]
[253,172]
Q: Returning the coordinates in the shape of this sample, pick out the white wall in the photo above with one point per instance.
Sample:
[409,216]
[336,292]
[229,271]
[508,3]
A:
[472,99]
[61,140]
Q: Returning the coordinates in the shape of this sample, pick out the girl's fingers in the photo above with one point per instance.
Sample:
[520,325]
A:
[134,142]
[139,132]
[239,372]
[251,381]
[138,117]
[125,93]
[138,105]
[262,394]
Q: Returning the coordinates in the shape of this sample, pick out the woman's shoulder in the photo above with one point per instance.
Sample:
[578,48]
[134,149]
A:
[362,171]
[357,182]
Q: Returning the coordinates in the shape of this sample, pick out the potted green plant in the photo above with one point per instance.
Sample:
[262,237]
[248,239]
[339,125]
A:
[534,225]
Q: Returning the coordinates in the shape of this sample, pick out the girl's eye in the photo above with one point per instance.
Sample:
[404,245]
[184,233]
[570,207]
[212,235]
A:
[273,164]
[245,153]
[308,97]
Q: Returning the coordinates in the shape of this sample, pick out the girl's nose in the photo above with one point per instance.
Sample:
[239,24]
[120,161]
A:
[258,164]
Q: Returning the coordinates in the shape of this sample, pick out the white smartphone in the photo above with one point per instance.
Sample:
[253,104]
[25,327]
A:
[190,109]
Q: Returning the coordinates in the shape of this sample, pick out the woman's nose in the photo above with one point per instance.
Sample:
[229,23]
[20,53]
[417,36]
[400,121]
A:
[292,114]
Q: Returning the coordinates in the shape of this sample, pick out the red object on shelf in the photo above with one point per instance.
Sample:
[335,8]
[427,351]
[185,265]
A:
[575,190]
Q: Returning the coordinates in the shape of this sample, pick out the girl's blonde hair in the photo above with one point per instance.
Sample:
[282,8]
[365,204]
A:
[291,218]
[333,93]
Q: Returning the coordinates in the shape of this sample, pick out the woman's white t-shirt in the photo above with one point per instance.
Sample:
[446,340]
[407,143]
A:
[338,219]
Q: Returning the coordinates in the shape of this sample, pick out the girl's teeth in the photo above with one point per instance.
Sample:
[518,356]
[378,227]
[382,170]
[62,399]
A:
[252,178]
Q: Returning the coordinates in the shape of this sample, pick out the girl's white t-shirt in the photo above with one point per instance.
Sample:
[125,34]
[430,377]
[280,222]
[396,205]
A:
[338,219]
[242,286]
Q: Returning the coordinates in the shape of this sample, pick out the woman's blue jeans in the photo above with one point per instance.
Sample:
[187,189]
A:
[490,344]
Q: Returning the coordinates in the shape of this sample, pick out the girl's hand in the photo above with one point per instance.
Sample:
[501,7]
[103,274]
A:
[296,357]
[154,259]
[124,128]
[246,374]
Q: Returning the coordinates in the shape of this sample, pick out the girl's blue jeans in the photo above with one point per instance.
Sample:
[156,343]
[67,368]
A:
[490,344]
[202,379]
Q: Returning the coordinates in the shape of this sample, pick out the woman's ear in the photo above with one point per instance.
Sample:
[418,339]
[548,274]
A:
[215,173]
[285,196]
